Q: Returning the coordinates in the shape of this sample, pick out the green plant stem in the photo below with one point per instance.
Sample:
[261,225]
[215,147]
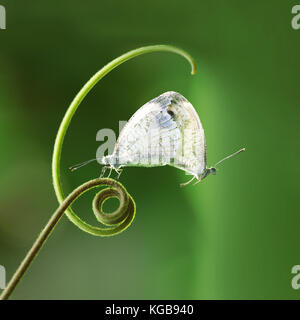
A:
[70,112]
[124,215]
[126,211]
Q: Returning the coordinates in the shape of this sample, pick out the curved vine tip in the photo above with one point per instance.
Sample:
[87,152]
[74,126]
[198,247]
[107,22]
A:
[68,117]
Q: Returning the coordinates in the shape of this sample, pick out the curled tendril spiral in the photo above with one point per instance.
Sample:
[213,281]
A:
[120,219]
[116,221]
[116,218]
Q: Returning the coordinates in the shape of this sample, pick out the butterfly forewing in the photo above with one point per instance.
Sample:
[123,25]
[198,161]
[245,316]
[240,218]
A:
[165,131]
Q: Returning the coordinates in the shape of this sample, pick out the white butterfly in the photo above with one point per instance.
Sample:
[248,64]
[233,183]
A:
[165,131]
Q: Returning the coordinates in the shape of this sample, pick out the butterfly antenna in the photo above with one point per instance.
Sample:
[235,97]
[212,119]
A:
[232,155]
[79,165]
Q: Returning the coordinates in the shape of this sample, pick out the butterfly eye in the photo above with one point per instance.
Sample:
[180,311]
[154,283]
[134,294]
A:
[213,170]
[171,113]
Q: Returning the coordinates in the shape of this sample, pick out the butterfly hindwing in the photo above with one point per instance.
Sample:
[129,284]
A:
[165,131]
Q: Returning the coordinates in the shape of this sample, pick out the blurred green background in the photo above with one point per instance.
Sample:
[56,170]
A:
[233,236]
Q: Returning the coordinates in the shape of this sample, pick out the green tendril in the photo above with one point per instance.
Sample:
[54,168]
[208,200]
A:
[115,222]
[97,231]
[121,219]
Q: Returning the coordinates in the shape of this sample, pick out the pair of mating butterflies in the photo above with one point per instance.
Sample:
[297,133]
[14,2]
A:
[165,131]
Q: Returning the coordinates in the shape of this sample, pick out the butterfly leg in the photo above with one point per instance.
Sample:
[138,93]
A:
[110,170]
[199,180]
[103,171]
[186,183]
[119,171]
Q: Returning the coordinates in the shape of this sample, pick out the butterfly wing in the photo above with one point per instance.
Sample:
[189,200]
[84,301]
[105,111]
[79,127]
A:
[166,130]
[191,154]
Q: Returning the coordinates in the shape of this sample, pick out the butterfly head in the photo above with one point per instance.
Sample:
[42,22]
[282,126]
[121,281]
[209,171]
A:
[207,172]
[212,170]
